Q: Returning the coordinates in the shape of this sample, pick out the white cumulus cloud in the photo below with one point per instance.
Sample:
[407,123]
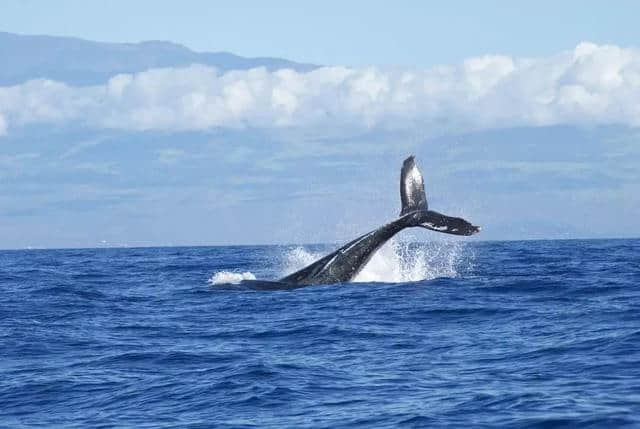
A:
[592,84]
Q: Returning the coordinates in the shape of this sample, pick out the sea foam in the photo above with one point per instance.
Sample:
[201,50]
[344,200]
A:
[395,262]
[228,277]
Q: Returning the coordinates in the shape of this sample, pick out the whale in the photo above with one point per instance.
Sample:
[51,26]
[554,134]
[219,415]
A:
[344,264]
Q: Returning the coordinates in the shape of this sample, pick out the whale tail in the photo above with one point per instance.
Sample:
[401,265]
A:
[416,209]
[412,193]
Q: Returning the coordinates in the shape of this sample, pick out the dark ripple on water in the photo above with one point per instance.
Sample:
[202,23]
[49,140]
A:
[535,334]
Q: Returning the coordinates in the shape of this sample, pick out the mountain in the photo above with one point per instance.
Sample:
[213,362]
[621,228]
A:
[82,62]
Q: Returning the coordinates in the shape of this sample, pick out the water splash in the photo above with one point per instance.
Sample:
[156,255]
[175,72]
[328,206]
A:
[298,258]
[228,277]
[398,262]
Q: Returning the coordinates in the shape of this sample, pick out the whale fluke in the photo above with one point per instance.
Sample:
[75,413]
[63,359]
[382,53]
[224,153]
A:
[449,225]
[346,262]
[412,193]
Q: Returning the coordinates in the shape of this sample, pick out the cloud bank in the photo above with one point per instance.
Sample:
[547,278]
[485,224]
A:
[592,84]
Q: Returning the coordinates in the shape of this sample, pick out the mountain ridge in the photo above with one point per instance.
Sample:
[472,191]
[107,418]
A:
[78,61]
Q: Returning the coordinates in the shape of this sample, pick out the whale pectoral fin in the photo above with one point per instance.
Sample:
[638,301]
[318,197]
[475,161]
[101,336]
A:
[449,225]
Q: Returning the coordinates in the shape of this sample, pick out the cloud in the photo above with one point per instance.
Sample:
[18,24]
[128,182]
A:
[592,84]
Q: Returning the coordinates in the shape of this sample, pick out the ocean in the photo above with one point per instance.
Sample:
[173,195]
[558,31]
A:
[439,334]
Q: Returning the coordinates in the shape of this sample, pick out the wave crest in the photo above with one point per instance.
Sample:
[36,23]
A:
[228,277]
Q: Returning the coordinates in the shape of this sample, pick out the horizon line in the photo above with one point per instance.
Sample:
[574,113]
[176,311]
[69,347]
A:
[182,246]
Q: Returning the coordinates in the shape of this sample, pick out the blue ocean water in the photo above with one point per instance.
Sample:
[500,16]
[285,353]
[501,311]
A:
[480,334]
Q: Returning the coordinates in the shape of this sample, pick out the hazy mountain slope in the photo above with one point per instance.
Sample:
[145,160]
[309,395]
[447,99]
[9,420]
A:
[81,62]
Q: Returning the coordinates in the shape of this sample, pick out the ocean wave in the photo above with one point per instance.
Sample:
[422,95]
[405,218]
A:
[499,339]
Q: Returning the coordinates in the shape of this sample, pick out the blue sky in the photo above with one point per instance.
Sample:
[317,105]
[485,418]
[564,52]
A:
[524,120]
[406,33]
